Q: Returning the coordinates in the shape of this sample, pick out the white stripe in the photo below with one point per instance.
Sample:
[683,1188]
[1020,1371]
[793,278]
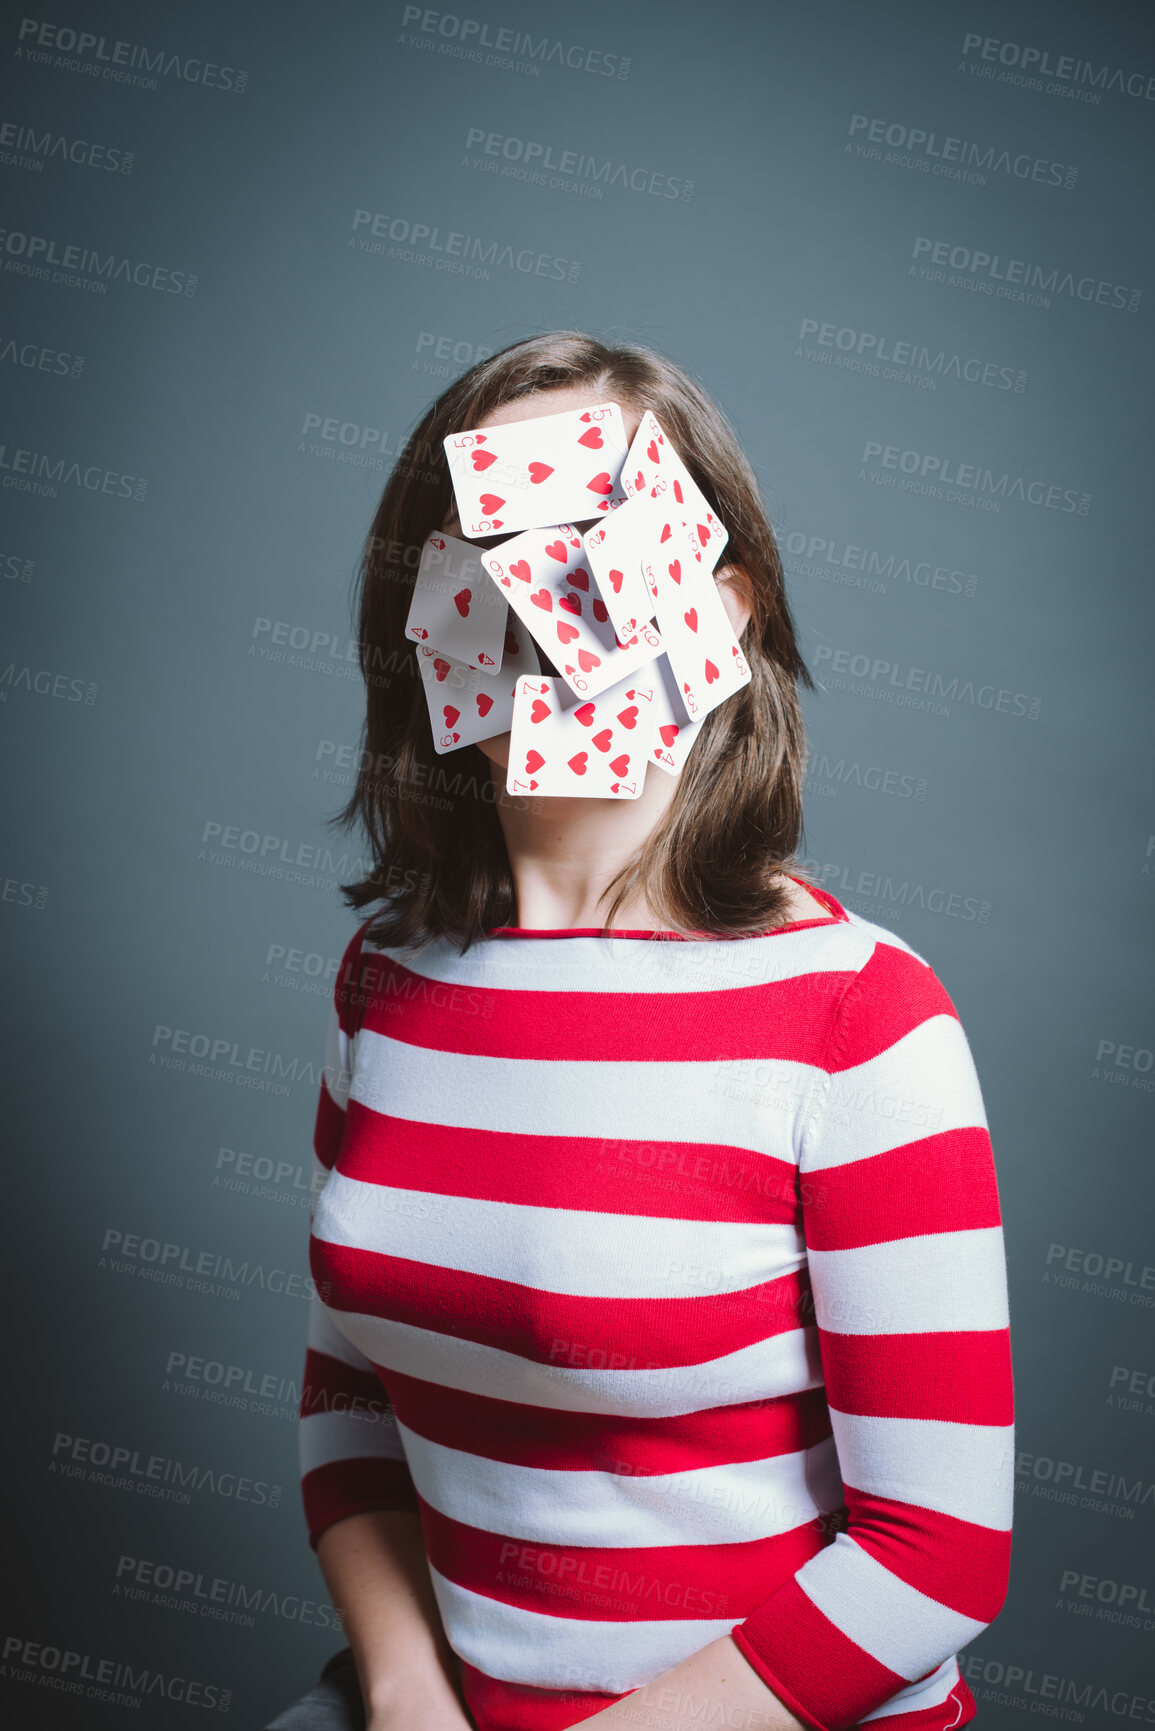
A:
[781,1364]
[568,1250]
[728,1504]
[898,1626]
[324,1335]
[938,1282]
[931,1692]
[530,1647]
[964,1470]
[335,1077]
[676,1100]
[922,1085]
[323,1437]
[629,965]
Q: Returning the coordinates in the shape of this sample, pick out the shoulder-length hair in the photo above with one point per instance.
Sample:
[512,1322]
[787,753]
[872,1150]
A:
[712,865]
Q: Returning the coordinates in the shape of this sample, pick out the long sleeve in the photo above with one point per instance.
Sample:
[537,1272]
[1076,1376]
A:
[351,1456]
[905,1247]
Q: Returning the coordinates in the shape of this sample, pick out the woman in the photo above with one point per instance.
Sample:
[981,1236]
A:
[660,1364]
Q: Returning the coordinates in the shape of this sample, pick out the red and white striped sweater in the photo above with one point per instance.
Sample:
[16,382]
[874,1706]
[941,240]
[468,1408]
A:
[665,1279]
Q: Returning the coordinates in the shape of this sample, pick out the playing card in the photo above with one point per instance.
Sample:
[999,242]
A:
[596,748]
[696,633]
[545,576]
[552,469]
[653,465]
[614,552]
[466,705]
[455,608]
[674,732]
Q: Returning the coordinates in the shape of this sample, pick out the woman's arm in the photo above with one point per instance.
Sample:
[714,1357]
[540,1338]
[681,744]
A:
[376,1570]
[714,1686]
[905,1249]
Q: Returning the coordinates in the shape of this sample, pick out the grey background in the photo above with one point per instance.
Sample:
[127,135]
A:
[1014,850]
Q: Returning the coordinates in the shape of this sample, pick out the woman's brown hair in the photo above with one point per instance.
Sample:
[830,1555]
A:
[712,864]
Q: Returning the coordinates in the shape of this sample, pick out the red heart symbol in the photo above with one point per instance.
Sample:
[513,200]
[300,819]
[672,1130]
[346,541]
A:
[678,492]
[675,570]
[586,661]
[592,440]
[578,763]
[617,578]
[490,503]
[484,703]
[711,673]
[539,711]
[482,460]
[556,550]
[511,642]
[621,764]
[629,717]
[691,618]
[543,598]
[436,541]
[703,533]
[669,733]
[520,568]
[599,611]
[461,601]
[420,631]
[441,668]
[451,714]
[604,739]
[639,481]
[586,714]
[601,483]
[533,760]
[571,604]
[539,472]
[652,452]
[666,532]
[566,633]
[580,579]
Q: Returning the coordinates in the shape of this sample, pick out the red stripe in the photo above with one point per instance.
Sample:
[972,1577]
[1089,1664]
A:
[352,1487]
[639,1583]
[958,1563]
[607,1027]
[667,1180]
[537,1436]
[558,1327]
[804,1657]
[328,1128]
[501,1706]
[899,993]
[329,1384]
[963,1377]
[349,991]
[941,1183]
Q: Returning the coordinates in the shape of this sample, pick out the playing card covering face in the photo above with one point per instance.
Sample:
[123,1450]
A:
[629,613]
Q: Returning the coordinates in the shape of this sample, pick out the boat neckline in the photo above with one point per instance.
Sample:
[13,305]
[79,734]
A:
[837,916]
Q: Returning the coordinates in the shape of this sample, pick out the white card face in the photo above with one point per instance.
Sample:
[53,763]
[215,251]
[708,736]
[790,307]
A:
[614,552]
[544,574]
[696,632]
[653,465]
[593,748]
[466,705]
[551,469]
[674,732]
[454,607]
